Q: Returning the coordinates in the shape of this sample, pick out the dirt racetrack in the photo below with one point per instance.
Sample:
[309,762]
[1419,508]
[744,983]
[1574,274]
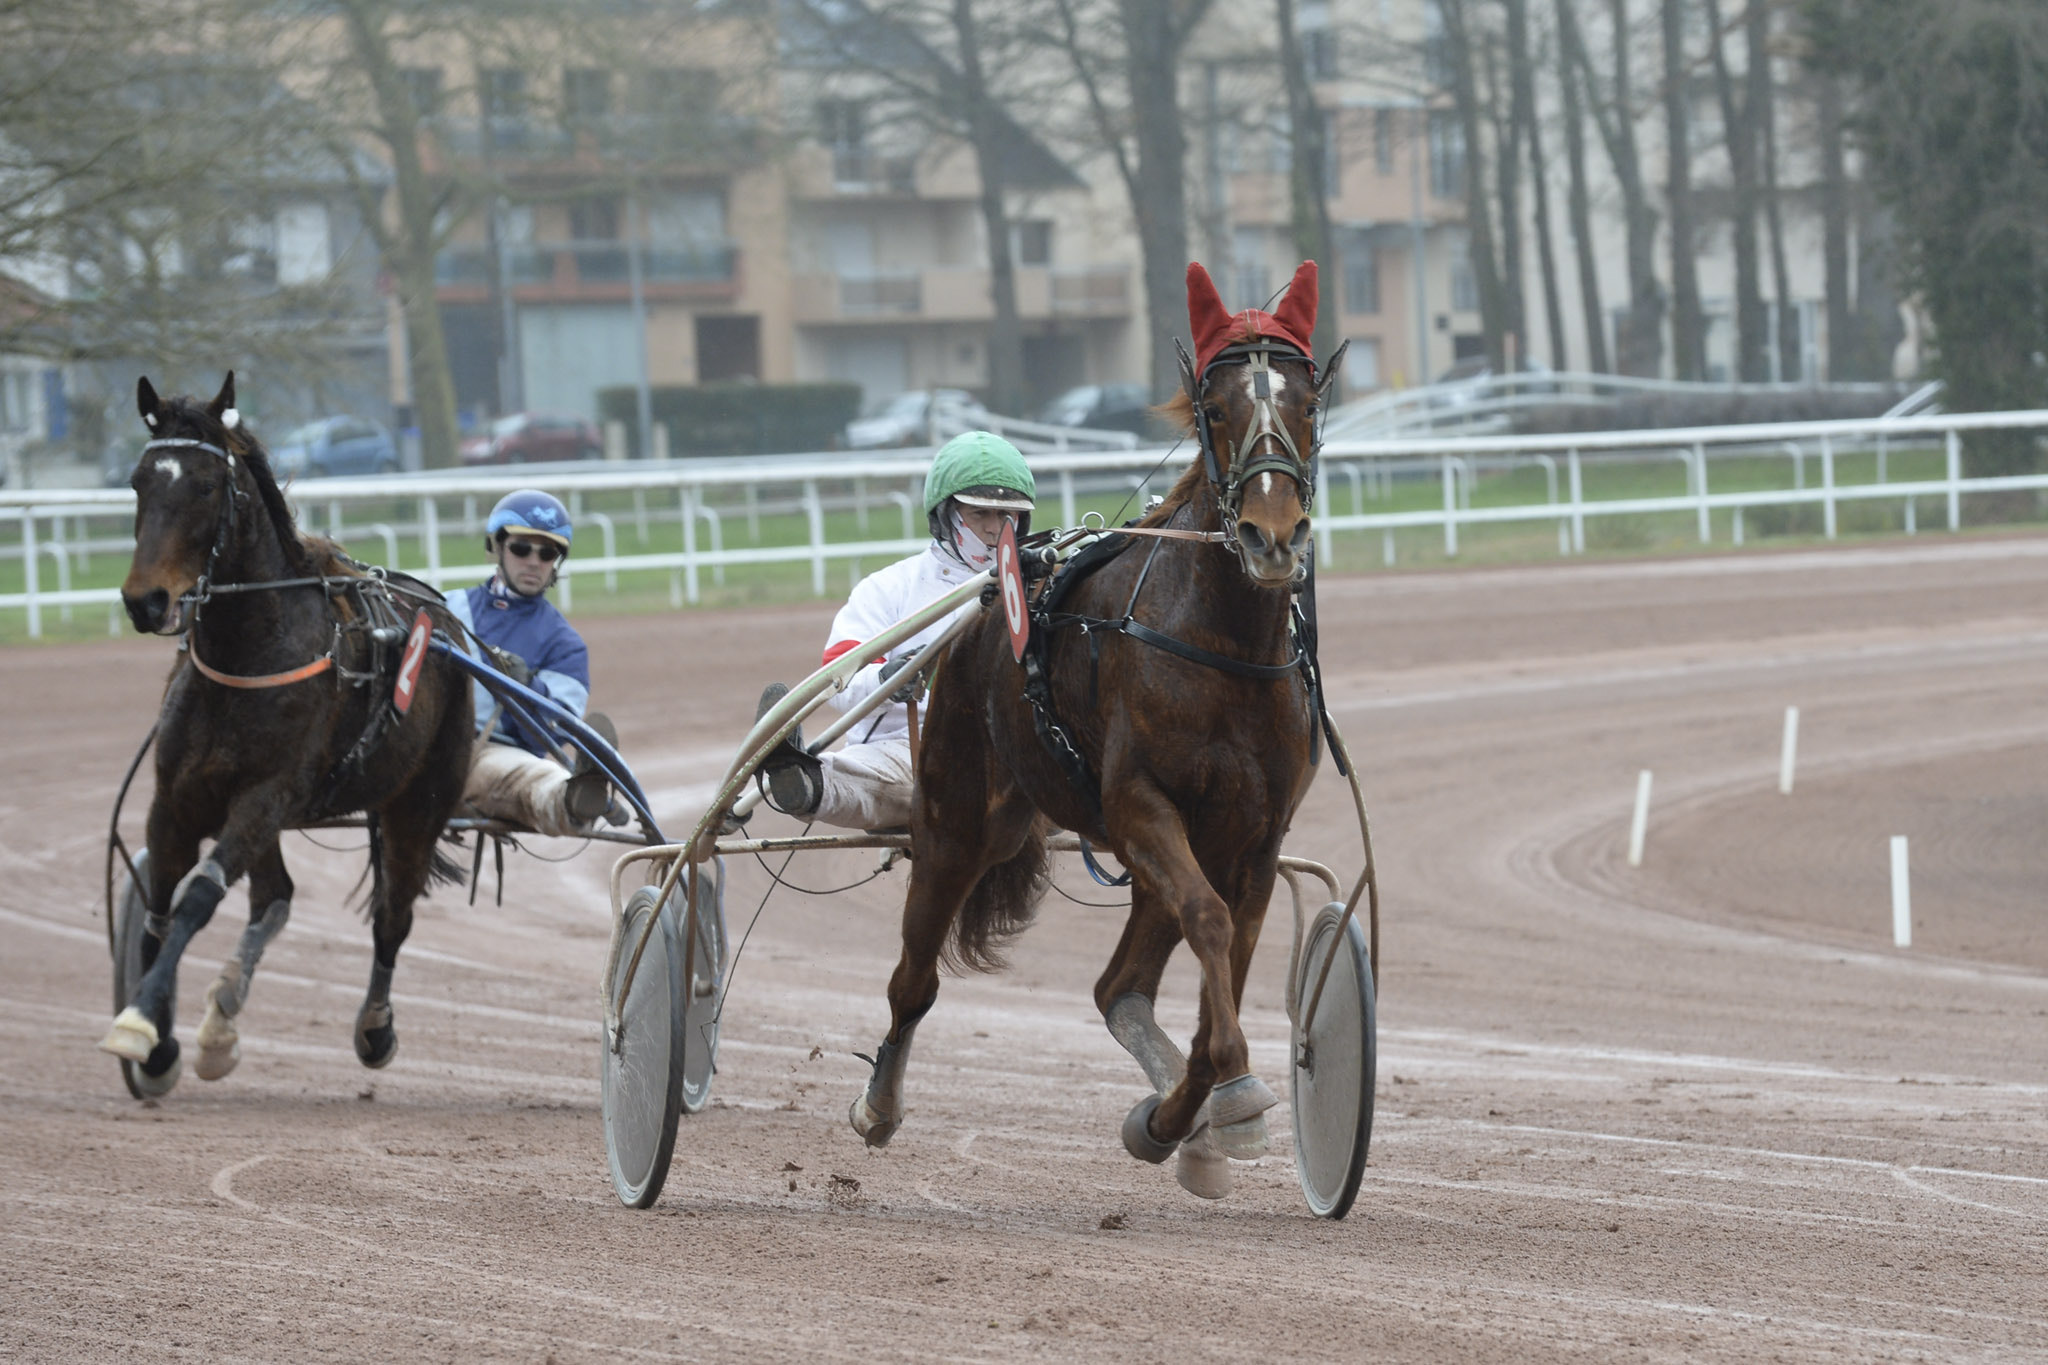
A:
[1700,1109]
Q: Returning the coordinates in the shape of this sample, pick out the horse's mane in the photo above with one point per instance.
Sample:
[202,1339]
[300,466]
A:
[306,555]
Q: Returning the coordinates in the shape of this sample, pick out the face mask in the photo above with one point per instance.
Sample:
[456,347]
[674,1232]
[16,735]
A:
[967,546]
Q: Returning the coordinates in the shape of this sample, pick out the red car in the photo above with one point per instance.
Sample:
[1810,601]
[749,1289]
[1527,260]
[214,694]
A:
[534,438]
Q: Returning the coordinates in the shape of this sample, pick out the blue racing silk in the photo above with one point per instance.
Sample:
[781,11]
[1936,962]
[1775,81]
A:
[533,629]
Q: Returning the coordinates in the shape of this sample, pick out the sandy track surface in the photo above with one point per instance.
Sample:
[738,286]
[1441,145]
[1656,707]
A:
[1699,1109]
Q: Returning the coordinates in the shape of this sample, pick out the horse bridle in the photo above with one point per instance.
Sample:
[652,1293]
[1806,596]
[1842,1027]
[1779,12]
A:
[1282,455]
[224,524]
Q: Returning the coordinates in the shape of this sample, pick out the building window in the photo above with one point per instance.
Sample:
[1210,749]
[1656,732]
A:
[595,219]
[503,94]
[1318,40]
[1446,155]
[1280,143]
[1436,47]
[1464,282]
[423,88]
[1362,364]
[586,94]
[843,127]
[1383,141]
[1361,270]
[1253,282]
[1031,242]
[681,95]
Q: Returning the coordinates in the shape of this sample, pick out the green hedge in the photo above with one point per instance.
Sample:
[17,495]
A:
[739,419]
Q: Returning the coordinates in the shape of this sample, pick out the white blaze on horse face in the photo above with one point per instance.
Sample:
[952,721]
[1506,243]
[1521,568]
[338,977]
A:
[1266,482]
[169,467]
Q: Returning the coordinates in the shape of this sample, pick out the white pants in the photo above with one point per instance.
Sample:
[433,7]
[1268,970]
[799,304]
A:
[508,783]
[867,786]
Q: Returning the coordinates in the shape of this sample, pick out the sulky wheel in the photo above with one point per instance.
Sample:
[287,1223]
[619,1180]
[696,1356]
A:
[704,970]
[643,1092]
[1334,1063]
[131,916]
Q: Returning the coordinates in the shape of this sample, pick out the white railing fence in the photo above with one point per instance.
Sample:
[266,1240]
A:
[66,532]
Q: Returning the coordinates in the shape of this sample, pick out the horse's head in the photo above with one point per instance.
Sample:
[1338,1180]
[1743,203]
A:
[187,495]
[1255,399]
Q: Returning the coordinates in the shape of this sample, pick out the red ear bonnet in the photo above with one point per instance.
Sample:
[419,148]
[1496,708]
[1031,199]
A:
[1213,328]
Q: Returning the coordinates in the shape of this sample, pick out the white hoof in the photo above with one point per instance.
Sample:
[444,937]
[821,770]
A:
[220,1047]
[132,1037]
[874,1127]
[1202,1169]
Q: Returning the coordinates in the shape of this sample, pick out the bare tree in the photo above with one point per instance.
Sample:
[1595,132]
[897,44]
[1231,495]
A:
[1579,200]
[1522,63]
[1126,56]
[1308,156]
[1688,319]
[1639,343]
[1739,113]
[1461,50]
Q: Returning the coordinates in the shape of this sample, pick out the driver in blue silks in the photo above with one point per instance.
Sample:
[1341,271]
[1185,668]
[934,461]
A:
[511,776]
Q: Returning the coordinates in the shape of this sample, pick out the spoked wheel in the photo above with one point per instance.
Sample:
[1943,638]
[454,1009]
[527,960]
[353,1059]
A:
[131,916]
[1335,1062]
[643,1092]
[704,970]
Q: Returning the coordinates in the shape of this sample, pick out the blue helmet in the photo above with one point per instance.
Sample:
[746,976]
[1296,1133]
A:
[531,512]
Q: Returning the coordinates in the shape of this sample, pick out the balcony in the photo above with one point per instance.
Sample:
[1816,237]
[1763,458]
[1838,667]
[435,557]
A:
[594,270]
[961,294]
[712,138]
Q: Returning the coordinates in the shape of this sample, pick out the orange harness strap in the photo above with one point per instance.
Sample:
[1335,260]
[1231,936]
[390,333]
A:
[299,674]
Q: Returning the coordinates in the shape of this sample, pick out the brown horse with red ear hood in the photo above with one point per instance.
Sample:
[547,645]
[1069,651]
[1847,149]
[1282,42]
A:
[1175,730]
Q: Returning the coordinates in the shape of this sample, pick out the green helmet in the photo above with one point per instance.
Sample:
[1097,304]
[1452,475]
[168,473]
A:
[981,469]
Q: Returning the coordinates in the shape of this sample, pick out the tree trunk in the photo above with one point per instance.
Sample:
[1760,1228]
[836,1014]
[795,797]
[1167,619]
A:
[1688,321]
[1843,350]
[1579,204]
[1507,143]
[1738,127]
[1639,340]
[1159,199]
[1522,72]
[1478,217]
[1764,118]
[1308,157]
[411,249]
[1006,335]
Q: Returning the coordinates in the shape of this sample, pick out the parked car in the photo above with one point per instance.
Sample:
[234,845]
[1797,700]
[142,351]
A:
[534,437]
[1104,407]
[906,419]
[335,445]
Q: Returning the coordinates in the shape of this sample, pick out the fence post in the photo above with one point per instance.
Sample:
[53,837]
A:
[1067,514]
[1578,503]
[814,513]
[860,503]
[1450,509]
[690,496]
[1326,553]
[640,513]
[29,581]
[1955,473]
[1699,473]
[1827,484]
[430,536]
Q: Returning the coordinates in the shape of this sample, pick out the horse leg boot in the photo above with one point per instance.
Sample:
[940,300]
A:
[878,1113]
[376,1034]
[220,1046]
[1201,1168]
[142,1032]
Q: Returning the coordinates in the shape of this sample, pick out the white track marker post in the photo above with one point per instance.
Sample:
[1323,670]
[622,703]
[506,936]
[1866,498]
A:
[1641,824]
[1790,752]
[1902,896]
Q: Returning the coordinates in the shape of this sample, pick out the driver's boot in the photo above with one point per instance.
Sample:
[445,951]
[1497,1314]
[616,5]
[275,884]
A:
[791,776]
[588,796]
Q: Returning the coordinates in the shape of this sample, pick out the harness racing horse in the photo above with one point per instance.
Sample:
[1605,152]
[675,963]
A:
[281,711]
[1175,727]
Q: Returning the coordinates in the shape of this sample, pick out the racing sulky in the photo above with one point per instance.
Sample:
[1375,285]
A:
[1176,728]
[282,710]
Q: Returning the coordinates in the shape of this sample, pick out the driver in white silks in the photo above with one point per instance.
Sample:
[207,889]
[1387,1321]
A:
[978,482]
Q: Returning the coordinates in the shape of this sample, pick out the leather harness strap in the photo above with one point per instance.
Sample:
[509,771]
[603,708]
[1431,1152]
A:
[299,674]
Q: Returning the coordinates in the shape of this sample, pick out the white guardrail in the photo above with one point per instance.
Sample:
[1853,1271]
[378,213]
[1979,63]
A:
[54,536]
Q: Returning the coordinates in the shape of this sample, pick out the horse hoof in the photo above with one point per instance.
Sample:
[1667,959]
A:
[1138,1139]
[1202,1170]
[376,1047]
[1246,1141]
[220,1047]
[157,1077]
[875,1128]
[1240,1100]
[132,1038]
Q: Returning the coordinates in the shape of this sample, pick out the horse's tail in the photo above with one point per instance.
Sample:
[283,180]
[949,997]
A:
[443,870]
[1001,906]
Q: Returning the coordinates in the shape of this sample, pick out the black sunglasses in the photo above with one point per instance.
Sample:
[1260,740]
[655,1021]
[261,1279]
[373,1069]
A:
[522,548]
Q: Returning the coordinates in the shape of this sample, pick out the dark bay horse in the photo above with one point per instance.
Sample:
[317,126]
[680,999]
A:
[279,712]
[1188,757]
